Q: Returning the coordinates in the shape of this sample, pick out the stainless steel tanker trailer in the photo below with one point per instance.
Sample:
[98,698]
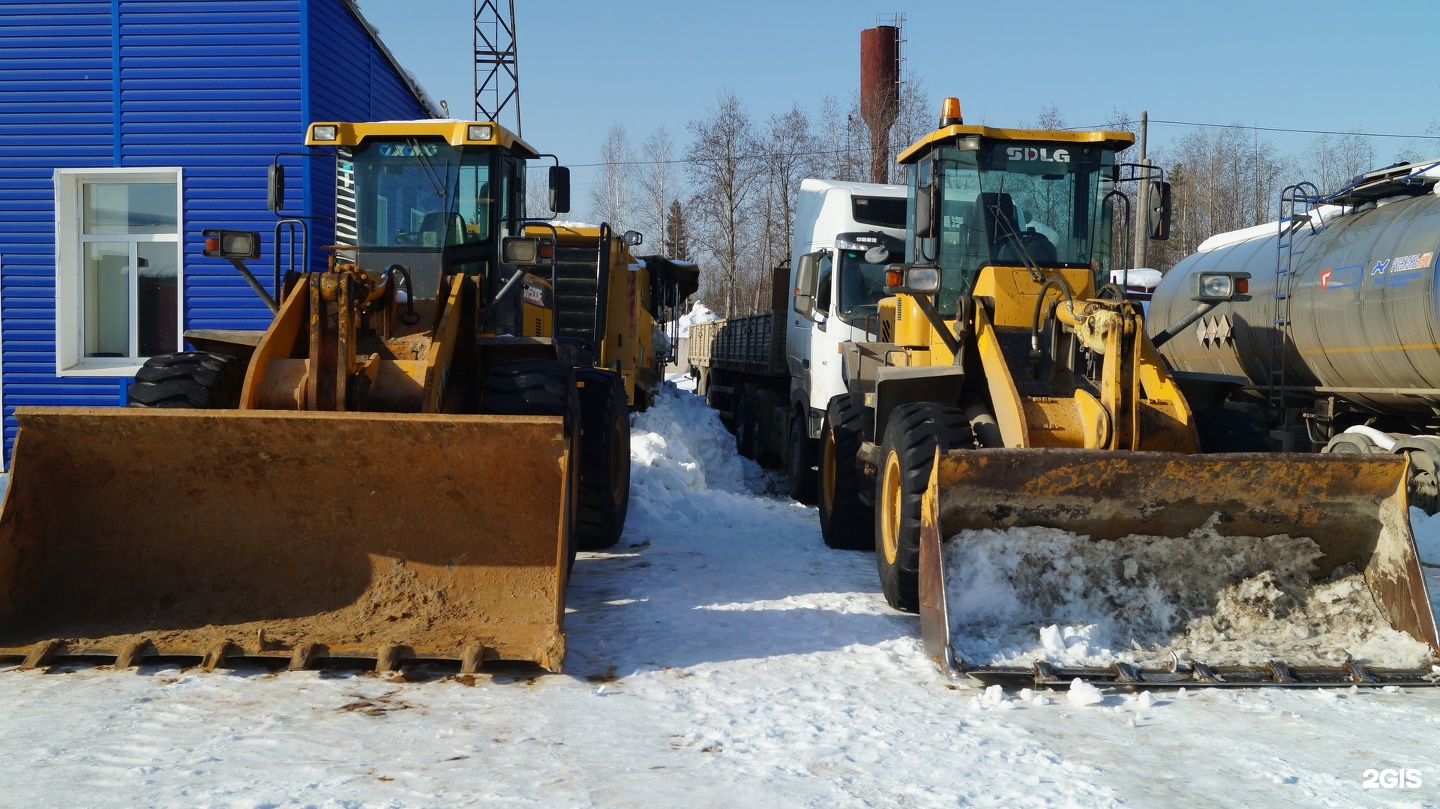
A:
[1337,348]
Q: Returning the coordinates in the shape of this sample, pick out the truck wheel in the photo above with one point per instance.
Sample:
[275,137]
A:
[536,388]
[762,422]
[801,462]
[846,522]
[744,422]
[907,455]
[604,492]
[188,379]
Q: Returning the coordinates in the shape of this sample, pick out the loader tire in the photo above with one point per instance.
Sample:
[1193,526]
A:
[528,388]
[800,462]
[604,493]
[846,522]
[535,388]
[199,379]
[907,456]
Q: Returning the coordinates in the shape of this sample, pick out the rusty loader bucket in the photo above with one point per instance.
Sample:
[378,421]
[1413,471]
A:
[134,533]
[1241,569]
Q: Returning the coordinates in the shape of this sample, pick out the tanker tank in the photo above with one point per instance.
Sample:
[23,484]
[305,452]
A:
[1363,313]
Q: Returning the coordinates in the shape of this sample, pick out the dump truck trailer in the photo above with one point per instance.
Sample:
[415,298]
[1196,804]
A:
[1023,460]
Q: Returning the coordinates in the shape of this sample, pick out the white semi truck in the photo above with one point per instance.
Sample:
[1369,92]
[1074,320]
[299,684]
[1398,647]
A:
[771,374]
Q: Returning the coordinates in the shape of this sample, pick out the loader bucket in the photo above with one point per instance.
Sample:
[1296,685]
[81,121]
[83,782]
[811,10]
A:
[134,533]
[1237,569]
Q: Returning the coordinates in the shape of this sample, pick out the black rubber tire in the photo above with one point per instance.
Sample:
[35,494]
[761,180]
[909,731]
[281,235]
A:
[200,379]
[1223,429]
[800,458]
[529,388]
[846,522]
[907,455]
[745,423]
[604,496]
[536,388]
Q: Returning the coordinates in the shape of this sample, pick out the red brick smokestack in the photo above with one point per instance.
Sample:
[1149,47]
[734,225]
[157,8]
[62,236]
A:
[880,92]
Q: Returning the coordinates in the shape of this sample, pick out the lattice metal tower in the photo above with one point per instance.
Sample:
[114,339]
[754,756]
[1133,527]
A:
[497,72]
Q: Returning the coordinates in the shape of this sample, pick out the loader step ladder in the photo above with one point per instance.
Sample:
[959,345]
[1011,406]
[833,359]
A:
[1296,202]
[580,297]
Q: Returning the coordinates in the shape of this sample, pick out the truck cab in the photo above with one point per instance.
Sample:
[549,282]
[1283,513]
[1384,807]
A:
[845,235]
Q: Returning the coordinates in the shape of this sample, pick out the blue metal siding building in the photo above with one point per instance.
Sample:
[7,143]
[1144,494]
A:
[205,92]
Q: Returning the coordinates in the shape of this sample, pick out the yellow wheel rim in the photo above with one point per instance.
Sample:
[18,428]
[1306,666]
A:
[890,507]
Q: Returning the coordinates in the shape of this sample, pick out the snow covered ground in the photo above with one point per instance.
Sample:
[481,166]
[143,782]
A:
[721,656]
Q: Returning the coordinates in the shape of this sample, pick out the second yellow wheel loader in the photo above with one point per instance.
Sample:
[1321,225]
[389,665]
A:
[391,471]
[1015,390]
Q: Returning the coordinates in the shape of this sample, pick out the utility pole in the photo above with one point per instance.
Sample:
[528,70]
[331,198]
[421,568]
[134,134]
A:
[1141,213]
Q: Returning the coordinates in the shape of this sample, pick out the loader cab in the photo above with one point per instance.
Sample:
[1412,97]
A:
[983,197]
[435,197]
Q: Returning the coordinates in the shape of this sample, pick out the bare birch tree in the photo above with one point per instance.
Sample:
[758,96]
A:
[610,196]
[656,184]
[1330,163]
[725,171]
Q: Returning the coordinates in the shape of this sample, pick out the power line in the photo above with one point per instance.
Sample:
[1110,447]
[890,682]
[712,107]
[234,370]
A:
[1294,131]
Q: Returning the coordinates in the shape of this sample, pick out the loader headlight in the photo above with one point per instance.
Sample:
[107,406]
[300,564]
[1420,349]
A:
[913,280]
[325,132]
[480,132]
[241,244]
[1214,287]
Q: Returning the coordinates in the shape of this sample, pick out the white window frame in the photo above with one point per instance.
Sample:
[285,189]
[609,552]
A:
[70,359]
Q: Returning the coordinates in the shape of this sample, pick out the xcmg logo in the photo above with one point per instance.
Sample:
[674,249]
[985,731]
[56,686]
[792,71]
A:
[1043,155]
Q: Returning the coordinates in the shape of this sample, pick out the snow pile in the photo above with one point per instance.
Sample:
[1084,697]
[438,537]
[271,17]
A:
[1018,595]
[681,459]
[1143,279]
[699,313]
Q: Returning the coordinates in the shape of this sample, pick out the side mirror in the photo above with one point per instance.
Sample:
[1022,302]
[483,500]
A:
[1160,210]
[925,213]
[275,187]
[806,274]
[559,189]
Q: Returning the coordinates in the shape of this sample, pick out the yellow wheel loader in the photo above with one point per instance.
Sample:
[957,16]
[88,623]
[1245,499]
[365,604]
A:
[390,471]
[1016,395]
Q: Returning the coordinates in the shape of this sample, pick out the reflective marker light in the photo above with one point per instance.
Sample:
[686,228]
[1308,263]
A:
[480,132]
[323,132]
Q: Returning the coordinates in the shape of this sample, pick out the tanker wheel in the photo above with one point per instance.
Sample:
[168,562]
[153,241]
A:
[907,457]
[846,522]
[536,388]
[1223,429]
[800,462]
[200,379]
[604,459]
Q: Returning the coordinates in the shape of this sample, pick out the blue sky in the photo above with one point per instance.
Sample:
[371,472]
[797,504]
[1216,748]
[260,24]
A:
[586,66]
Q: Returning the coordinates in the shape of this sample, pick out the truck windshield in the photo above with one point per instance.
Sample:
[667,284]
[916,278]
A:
[1008,199]
[415,194]
[862,269]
